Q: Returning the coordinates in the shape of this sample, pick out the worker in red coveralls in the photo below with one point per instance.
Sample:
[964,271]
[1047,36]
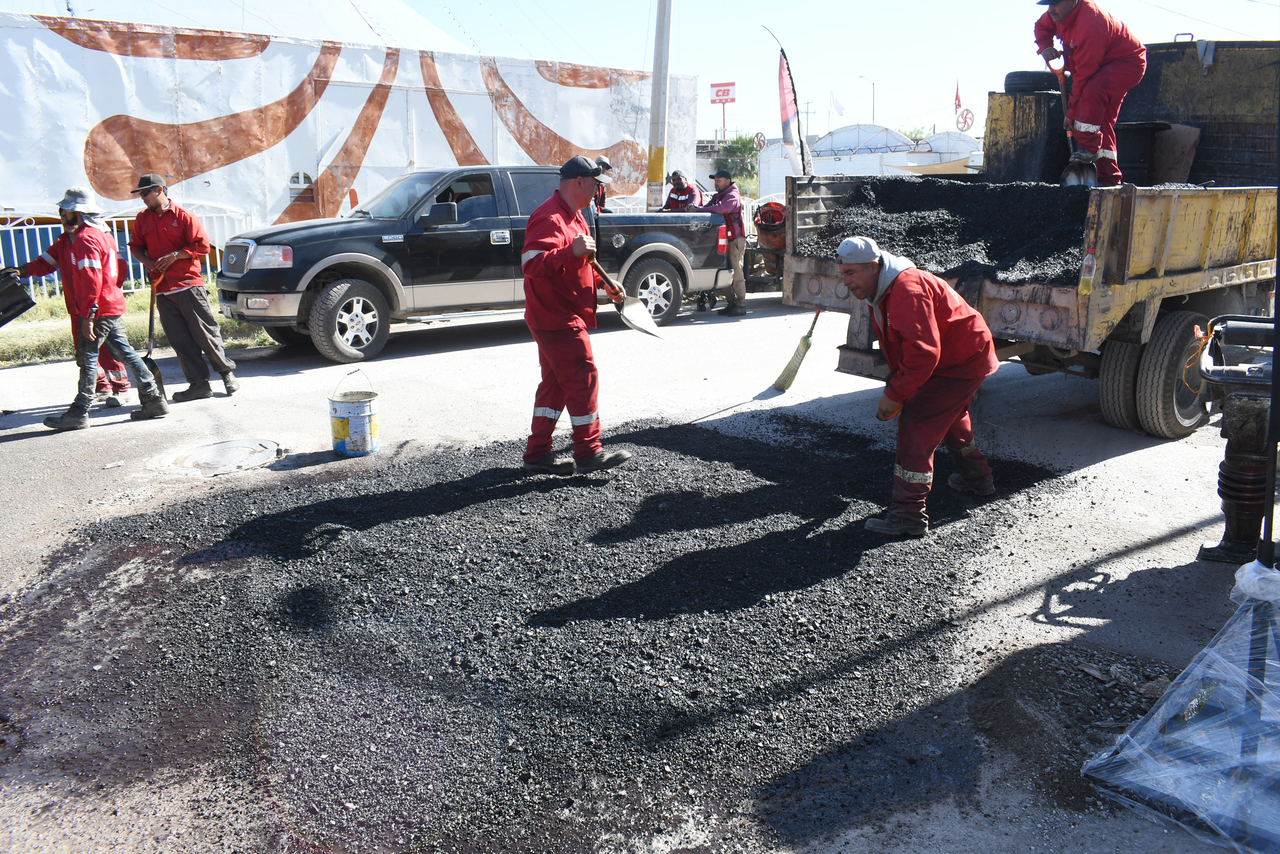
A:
[1105,61]
[939,351]
[683,196]
[86,258]
[169,242]
[727,202]
[560,306]
[606,168]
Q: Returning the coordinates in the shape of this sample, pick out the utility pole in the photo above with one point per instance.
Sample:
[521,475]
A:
[658,106]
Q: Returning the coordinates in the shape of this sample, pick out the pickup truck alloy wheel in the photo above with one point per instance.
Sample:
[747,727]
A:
[1118,384]
[349,321]
[1167,408]
[289,336]
[656,284]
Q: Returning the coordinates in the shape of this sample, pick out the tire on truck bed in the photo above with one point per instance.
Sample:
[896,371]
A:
[349,321]
[1167,408]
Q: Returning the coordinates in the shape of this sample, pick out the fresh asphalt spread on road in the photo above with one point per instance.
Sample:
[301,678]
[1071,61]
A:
[449,653]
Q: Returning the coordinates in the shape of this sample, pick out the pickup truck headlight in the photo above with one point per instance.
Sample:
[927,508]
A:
[271,257]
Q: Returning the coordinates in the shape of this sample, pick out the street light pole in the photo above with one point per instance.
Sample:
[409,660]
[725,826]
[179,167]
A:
[658,106]
[873,97]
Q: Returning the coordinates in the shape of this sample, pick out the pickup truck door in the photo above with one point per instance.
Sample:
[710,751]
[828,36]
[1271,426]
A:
[528,189]
[470,263]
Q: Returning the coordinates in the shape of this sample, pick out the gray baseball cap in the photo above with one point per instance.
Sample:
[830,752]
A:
[80,199]
[858,250]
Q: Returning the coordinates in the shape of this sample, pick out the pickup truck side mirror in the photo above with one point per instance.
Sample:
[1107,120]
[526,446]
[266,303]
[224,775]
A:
[445,213]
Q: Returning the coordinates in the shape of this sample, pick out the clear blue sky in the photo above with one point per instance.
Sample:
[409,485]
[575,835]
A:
[915,52]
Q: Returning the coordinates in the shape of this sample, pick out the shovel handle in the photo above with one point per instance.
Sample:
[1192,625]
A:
[615,291]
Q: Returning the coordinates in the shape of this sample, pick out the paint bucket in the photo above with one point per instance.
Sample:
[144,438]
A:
[353,420]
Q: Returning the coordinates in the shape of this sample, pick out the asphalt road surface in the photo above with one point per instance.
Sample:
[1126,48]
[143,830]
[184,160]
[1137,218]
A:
[429,649]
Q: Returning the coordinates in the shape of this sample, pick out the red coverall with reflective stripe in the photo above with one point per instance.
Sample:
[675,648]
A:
[560,306]
[112,375]
[1105,61]
[939,350]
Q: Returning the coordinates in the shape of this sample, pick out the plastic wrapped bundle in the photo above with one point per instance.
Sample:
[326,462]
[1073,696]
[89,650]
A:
[1207,755]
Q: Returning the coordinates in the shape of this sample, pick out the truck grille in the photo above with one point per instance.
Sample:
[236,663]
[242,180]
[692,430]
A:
[235,258]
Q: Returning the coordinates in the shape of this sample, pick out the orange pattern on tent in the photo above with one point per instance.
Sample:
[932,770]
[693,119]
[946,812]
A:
[156,42]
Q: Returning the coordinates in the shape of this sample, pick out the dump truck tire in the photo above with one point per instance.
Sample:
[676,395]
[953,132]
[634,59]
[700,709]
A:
[1117,384]
[1167,408]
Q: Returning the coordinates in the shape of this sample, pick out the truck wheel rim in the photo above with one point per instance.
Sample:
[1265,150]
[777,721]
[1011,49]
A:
[1188,405]
[655,292]
[357,322]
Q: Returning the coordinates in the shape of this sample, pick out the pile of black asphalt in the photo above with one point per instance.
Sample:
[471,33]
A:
[1009,233]
[448,654]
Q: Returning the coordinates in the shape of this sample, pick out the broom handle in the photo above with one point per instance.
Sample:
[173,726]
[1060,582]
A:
[815,321]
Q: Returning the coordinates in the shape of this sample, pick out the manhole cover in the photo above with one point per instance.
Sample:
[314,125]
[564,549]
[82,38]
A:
[225,457]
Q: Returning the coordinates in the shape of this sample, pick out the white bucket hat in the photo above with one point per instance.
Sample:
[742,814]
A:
[80,199]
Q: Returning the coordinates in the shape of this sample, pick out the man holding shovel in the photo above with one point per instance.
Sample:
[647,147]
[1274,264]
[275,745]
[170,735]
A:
[169,242]
[86,258]
[939,351]
[560,306]
[1105,61]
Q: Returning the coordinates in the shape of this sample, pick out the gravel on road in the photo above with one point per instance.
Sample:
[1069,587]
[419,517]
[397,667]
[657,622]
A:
[702,649]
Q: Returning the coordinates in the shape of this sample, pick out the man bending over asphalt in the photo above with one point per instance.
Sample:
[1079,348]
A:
[939,351]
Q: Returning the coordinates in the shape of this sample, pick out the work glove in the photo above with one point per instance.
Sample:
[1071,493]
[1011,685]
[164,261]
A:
[10,273]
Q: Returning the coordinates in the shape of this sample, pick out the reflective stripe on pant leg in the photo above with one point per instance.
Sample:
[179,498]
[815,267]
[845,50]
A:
[923,477]
[569,373]
[1084,127]
[1107,154]
[546,412]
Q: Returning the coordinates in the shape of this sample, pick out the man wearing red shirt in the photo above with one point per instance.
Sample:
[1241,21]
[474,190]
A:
[1105,61]
[169,242]
[683,196]
[939,351]
[559,308]
[85,257]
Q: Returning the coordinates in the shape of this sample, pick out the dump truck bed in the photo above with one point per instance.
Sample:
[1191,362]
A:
[1150,244]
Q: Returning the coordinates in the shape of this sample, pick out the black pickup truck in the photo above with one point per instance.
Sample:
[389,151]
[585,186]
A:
[441,242]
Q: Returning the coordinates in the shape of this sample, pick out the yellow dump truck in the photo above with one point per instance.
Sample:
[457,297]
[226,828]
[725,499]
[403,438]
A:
[1155,264]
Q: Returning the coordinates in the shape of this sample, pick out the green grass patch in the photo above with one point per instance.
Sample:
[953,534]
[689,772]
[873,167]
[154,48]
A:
[43,333]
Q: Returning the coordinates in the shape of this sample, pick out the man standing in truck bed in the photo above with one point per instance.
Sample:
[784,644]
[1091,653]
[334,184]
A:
[939,351]
[1105,61]
[559,308]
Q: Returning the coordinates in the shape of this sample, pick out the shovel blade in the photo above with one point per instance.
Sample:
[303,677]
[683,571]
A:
[1079,174]
[636,315]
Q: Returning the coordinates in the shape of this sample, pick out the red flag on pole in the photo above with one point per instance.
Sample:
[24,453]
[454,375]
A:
[792,134]
[957,96]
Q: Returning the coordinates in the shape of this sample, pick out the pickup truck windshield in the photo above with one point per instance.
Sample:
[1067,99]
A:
[398,197]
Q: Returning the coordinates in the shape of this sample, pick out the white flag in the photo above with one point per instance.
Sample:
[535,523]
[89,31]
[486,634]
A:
[836,105]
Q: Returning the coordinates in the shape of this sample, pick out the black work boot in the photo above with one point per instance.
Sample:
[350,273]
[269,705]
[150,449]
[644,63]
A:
[195,391]
[154,408]
[73,419]
[897,526]
[230,383]
[551,464]
[603,460]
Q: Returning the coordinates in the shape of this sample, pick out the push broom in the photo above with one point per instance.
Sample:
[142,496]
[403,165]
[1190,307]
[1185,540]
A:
[788,375]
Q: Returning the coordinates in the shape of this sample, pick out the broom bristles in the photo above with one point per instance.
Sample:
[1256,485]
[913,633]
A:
[788,375]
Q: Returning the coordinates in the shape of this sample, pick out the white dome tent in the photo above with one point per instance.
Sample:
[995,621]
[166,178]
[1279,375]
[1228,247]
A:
[866,149]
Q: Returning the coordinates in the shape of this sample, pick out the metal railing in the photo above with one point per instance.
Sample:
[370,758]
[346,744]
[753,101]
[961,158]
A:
[22,239]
